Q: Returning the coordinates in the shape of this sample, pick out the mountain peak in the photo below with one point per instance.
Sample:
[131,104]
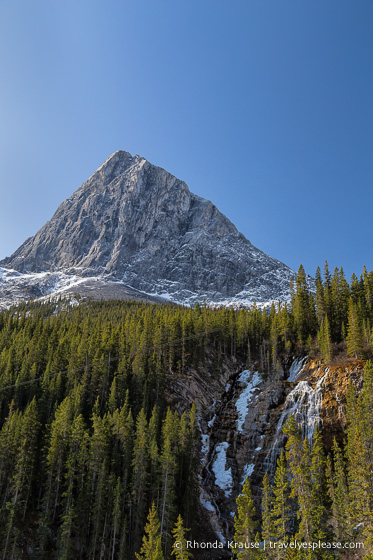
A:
[134,222]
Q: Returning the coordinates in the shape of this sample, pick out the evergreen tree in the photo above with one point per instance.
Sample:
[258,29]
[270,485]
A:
[325,342]
[281,511]
[151,542]
[268,527]
[245,523]
[180,549]
[140,476]
[168,471]
[338,492]
[320,300]
[354,335]
[319,503]
[303,308]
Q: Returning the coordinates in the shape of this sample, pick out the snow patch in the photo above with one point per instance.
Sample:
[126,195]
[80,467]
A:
[206,504]
[248,471]
[223,476]
[242,403]
[210,423]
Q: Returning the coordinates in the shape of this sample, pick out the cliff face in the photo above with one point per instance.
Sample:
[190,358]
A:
[137,224]
[241,413]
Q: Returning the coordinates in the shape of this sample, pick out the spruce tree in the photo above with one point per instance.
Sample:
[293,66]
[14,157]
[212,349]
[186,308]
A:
[151,543]
[320,302]
[319,503]
[139,476]
[325,342]
[180,549]
[354,335]
[303,308]
[268,527]
[168,470]
[245,523]
[281,510]
[338,492]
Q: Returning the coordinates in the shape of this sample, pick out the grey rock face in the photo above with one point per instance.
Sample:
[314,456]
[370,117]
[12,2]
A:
[136,223]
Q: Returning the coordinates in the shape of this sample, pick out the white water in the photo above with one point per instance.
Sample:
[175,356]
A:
[296,368]
[304,403]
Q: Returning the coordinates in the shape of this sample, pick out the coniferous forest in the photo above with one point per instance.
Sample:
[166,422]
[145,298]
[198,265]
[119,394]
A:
[95,465]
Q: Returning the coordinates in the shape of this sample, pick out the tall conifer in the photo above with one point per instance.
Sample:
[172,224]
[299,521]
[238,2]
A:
[245,523]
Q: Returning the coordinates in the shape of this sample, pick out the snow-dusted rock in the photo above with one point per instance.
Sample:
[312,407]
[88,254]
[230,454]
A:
[137,224]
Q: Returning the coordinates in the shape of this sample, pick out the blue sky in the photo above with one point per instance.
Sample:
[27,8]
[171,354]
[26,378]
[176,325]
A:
[263,107]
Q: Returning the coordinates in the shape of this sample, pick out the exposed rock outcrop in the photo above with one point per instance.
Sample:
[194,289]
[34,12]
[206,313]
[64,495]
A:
[137,224]
[241,414]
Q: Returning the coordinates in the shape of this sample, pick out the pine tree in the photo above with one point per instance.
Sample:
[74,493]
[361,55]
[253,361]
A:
[354,335]
[151,543]
[268,526]
[168,470]
[75,465]
[320,300]
[19,488]
[245,523]
[302,490]
[338,492]
[298,456]
[359,456]
[325,342]
[303,308]
[281,510]
[366,413]
[360,498]
[180,549]
[319,503]
[140,475]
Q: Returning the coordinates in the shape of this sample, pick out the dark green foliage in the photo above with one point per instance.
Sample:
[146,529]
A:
[245,523]
[281,510]
[354,334]
[87,442]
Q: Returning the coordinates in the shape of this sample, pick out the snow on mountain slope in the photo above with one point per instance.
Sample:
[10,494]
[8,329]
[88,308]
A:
[136,225]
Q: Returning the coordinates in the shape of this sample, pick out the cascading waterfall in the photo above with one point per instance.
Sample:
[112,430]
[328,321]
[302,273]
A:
[226,429]
[304,403]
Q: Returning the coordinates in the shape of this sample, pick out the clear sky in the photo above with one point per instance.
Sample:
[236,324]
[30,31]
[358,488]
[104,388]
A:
[264,107]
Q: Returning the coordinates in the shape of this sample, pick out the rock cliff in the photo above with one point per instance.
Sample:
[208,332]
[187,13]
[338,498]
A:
[137,225]
[241,413]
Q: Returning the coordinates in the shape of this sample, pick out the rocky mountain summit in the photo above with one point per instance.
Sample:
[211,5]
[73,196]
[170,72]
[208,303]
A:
[138,226]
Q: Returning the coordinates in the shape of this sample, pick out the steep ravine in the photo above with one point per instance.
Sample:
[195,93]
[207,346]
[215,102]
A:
[241,413]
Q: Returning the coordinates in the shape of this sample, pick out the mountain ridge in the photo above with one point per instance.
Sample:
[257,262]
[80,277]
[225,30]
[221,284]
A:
[133,222]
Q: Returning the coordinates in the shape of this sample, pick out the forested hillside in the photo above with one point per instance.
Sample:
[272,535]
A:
[88,442]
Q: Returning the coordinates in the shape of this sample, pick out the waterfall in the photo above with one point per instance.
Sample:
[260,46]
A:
[296,368]
[304,403]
